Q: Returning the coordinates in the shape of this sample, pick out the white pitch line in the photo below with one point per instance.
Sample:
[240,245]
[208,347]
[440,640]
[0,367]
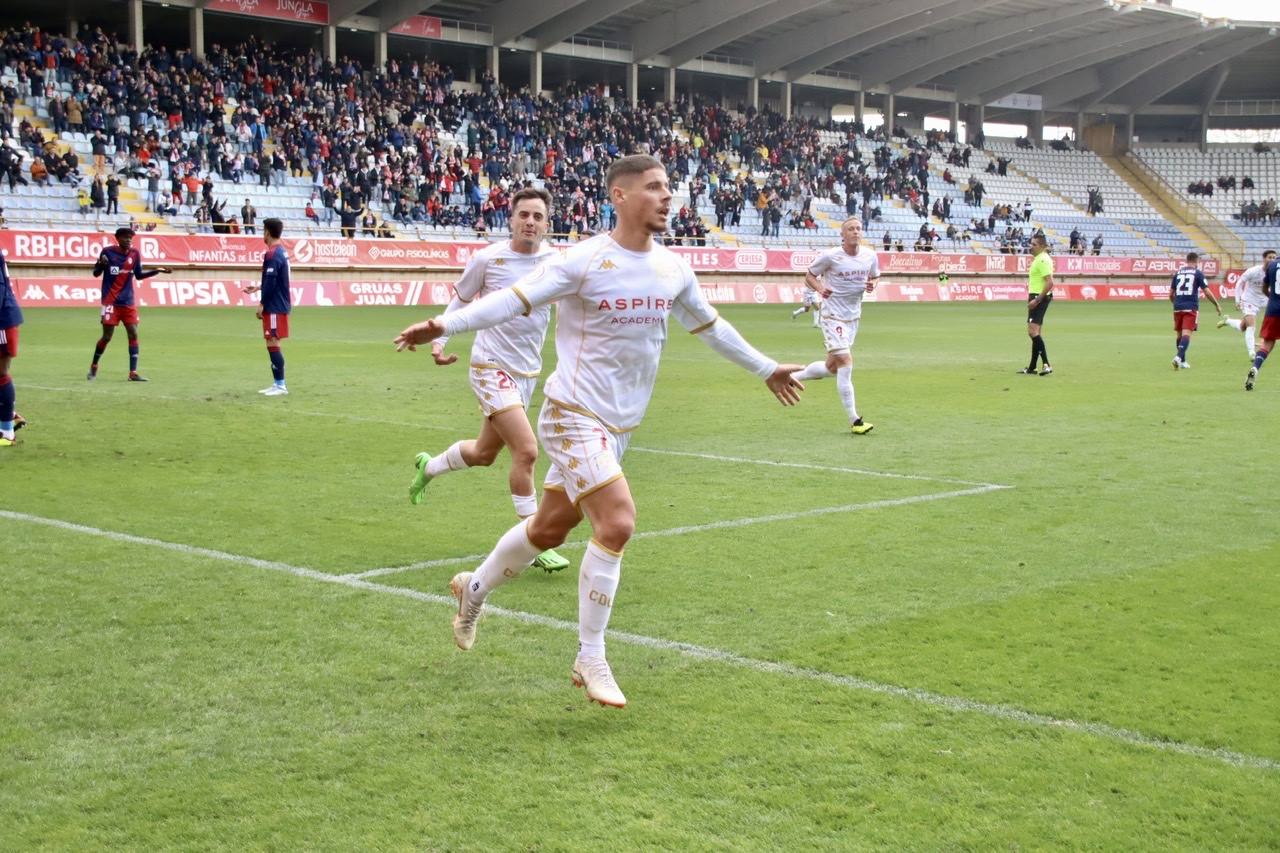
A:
[711,525]
[955,704]
[809,466]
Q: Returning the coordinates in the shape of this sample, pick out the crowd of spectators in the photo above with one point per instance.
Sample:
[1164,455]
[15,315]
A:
[1224,182]
[1259,213]
[402,145]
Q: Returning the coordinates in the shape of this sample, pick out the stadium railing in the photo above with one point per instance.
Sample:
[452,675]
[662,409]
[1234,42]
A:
[1190,211]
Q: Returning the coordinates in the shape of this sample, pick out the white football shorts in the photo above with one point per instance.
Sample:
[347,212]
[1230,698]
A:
[1251,307]
[584,454]
[838,335]
[497,390]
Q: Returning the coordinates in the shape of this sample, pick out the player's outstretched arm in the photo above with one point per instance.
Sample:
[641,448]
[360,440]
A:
[419,333]
[786,388]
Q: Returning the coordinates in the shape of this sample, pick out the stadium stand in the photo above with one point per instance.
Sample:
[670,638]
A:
[1239,186]
[408,152]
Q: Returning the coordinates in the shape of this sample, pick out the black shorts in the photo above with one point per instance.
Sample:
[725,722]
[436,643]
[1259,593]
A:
[1036,315]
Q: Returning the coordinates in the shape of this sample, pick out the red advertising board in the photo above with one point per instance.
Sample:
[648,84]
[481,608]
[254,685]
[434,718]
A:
[302,11]
[419,26]
[211,251]
[166,291]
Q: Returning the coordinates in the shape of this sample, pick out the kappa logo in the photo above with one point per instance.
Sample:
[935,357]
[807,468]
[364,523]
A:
[573,464]
[607,264]
[566,443]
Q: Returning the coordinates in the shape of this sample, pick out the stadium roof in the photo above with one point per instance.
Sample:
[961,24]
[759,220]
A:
[1094,55]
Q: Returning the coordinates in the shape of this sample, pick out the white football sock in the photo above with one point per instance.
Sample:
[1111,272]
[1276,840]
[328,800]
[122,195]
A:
[597,583]
[844,385]
[1250,341]
[797,312]
[1234,323]
[450,460]
[815,370]
[526,505]
[507,561]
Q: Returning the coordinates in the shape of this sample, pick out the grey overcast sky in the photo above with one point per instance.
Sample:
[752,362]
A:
[1242,10]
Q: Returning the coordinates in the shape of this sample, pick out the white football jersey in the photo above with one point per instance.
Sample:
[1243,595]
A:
[847,276]
[515,346]
[612,323]
[1249,288]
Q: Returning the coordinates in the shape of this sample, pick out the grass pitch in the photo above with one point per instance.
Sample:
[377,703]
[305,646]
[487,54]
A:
[1088,654]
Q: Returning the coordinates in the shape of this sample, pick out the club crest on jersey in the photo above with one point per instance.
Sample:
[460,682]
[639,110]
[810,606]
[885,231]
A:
[499,262]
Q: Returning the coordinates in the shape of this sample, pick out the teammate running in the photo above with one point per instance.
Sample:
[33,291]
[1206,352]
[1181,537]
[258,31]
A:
[275,304]
[1251,300]
[505,363]
[1184,293]
[841,276]
[119,265]
[615,293]
[10,320]
[1270,330]
[811,303]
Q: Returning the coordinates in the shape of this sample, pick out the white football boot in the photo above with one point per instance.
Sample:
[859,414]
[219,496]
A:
[594,674]
[464,622]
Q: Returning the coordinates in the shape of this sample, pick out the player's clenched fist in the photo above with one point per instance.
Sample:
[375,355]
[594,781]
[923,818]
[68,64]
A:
[419,333]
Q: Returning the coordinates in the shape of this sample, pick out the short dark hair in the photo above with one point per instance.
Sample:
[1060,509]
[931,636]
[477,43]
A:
[529,193]
[1041,238]
[1192,257]
[274,227]
[634,164]
[124,231]
[1266,252]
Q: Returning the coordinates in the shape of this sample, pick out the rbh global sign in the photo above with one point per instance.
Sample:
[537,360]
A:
[302,11]
[320,252]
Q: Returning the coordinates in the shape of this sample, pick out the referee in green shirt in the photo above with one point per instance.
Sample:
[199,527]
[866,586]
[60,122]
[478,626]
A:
[1039,295]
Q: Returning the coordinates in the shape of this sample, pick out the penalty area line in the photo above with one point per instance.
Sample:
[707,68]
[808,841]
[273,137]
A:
[954,704]
[725,524]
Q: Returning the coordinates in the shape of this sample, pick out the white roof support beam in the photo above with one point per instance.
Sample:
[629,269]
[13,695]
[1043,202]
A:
[870,39]
[1171,74]
[393,13]
[1116,76]
[579,18]
[794,46]
[1151,42]
[340,10]
[898,69]
[1213,86]
[511,19]
[998,73]
[736,28]
[654,36]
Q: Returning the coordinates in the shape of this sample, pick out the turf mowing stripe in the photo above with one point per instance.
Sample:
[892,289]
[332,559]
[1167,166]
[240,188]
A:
[251,400]
[924,697]
[711,525]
